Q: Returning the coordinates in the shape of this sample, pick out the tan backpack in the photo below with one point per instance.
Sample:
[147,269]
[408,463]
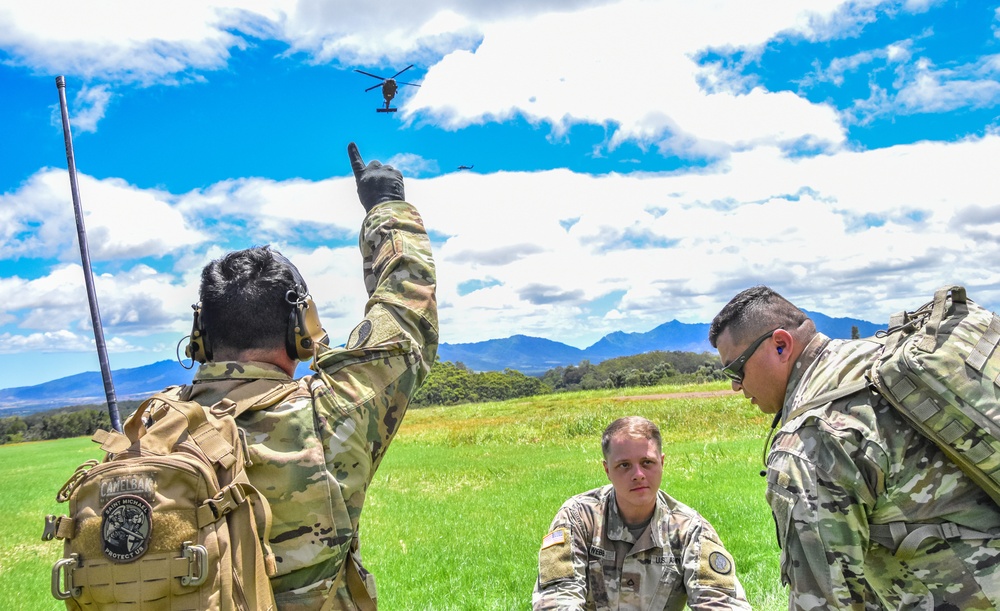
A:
[169,519]
[940,367]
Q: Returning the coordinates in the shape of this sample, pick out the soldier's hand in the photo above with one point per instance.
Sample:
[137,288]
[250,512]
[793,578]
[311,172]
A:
[377,183]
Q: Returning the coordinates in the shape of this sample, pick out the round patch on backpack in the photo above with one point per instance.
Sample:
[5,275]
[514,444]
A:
[126,528]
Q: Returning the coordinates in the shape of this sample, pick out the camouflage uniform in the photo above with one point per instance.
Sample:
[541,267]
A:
[315,453]
[848,481]
[590,560]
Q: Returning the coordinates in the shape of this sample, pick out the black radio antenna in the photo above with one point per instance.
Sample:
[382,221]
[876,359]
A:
[88,275]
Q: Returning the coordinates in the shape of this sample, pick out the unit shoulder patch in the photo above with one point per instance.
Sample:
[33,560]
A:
[360,334]
[716,568]
[720,563]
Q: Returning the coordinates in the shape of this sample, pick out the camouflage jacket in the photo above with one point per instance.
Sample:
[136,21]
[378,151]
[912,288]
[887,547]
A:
[315,453]
[849,481]
[590,560]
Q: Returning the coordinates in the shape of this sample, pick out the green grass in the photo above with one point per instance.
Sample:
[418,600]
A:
[457,510]
[30,476]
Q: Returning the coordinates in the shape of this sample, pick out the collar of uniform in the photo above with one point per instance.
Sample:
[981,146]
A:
[617,530]
[239,370]
[808,357]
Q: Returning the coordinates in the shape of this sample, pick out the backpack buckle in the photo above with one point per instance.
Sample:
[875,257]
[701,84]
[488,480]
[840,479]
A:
[950,530]
[197,557]
[62,573]
[228,499]
[50,528]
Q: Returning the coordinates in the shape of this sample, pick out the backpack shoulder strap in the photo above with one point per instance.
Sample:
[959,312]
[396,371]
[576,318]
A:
[256,395]
[114,442]
[829,396]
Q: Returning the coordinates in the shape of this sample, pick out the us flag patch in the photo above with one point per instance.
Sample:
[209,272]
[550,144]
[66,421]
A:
[556,537]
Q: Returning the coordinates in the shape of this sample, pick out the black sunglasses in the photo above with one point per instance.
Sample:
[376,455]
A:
[734,370]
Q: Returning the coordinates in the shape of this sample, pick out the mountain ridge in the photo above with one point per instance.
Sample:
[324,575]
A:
[527,354]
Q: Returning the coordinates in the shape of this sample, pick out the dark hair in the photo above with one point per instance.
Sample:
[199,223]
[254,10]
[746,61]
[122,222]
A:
[755,311]
[635,426]
[243,304]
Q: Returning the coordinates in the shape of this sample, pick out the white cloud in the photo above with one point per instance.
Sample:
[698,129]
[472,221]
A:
[136,301]
[859,234]
[269,210]
[169,42]
[126,41]
[895,53]
[37,220]
[88,107]
[631,66]
[891,224]
[931,89]
[413,165]
[59,342]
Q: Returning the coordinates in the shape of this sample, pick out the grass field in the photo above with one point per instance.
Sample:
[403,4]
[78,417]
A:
[456,512]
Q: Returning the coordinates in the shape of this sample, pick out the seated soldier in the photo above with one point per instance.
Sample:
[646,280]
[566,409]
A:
[629,545]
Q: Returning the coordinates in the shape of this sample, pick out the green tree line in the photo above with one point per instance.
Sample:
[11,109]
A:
[75,421]
[447,384]
[452,383]
[647,369]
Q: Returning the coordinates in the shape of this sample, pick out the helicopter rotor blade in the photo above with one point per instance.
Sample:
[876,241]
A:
[402,83]
[381,78]
[401,71]
[374,87]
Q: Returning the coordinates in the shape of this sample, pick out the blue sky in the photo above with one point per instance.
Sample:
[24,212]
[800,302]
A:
[634,162]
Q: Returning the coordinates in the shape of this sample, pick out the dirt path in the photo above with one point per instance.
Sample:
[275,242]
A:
[677,395]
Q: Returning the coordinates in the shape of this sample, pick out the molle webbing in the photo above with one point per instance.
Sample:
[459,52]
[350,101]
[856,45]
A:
[904,538]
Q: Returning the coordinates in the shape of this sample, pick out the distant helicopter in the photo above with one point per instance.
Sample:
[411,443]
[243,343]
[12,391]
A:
[466,167]
[389,86]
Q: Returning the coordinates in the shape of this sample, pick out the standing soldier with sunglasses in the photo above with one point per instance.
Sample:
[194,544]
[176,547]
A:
[870,514]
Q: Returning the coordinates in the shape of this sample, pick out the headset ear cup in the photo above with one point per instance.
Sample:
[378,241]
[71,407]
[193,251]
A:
[197,348]
[304,331]
[292,335]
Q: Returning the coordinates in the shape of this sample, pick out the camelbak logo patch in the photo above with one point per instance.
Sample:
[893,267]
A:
[137,484]
[126,528]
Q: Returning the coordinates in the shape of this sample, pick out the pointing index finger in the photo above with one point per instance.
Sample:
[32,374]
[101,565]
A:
[357,164]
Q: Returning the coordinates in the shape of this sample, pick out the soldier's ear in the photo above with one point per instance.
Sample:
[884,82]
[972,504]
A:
[783,342]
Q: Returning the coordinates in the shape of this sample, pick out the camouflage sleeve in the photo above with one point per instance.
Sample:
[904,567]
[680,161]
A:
[399,274]
[819,497]
[562,565]
[362,390]
[389,353]
[710,571]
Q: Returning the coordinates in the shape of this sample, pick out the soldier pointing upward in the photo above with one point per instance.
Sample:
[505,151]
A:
[315,453]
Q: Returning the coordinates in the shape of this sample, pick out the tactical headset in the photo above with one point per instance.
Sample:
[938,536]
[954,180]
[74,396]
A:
[304,327]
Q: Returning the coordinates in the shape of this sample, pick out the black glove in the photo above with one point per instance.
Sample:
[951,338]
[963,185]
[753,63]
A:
[377,183]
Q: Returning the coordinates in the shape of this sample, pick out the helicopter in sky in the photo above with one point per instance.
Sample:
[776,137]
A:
[466,167]
[389,87]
